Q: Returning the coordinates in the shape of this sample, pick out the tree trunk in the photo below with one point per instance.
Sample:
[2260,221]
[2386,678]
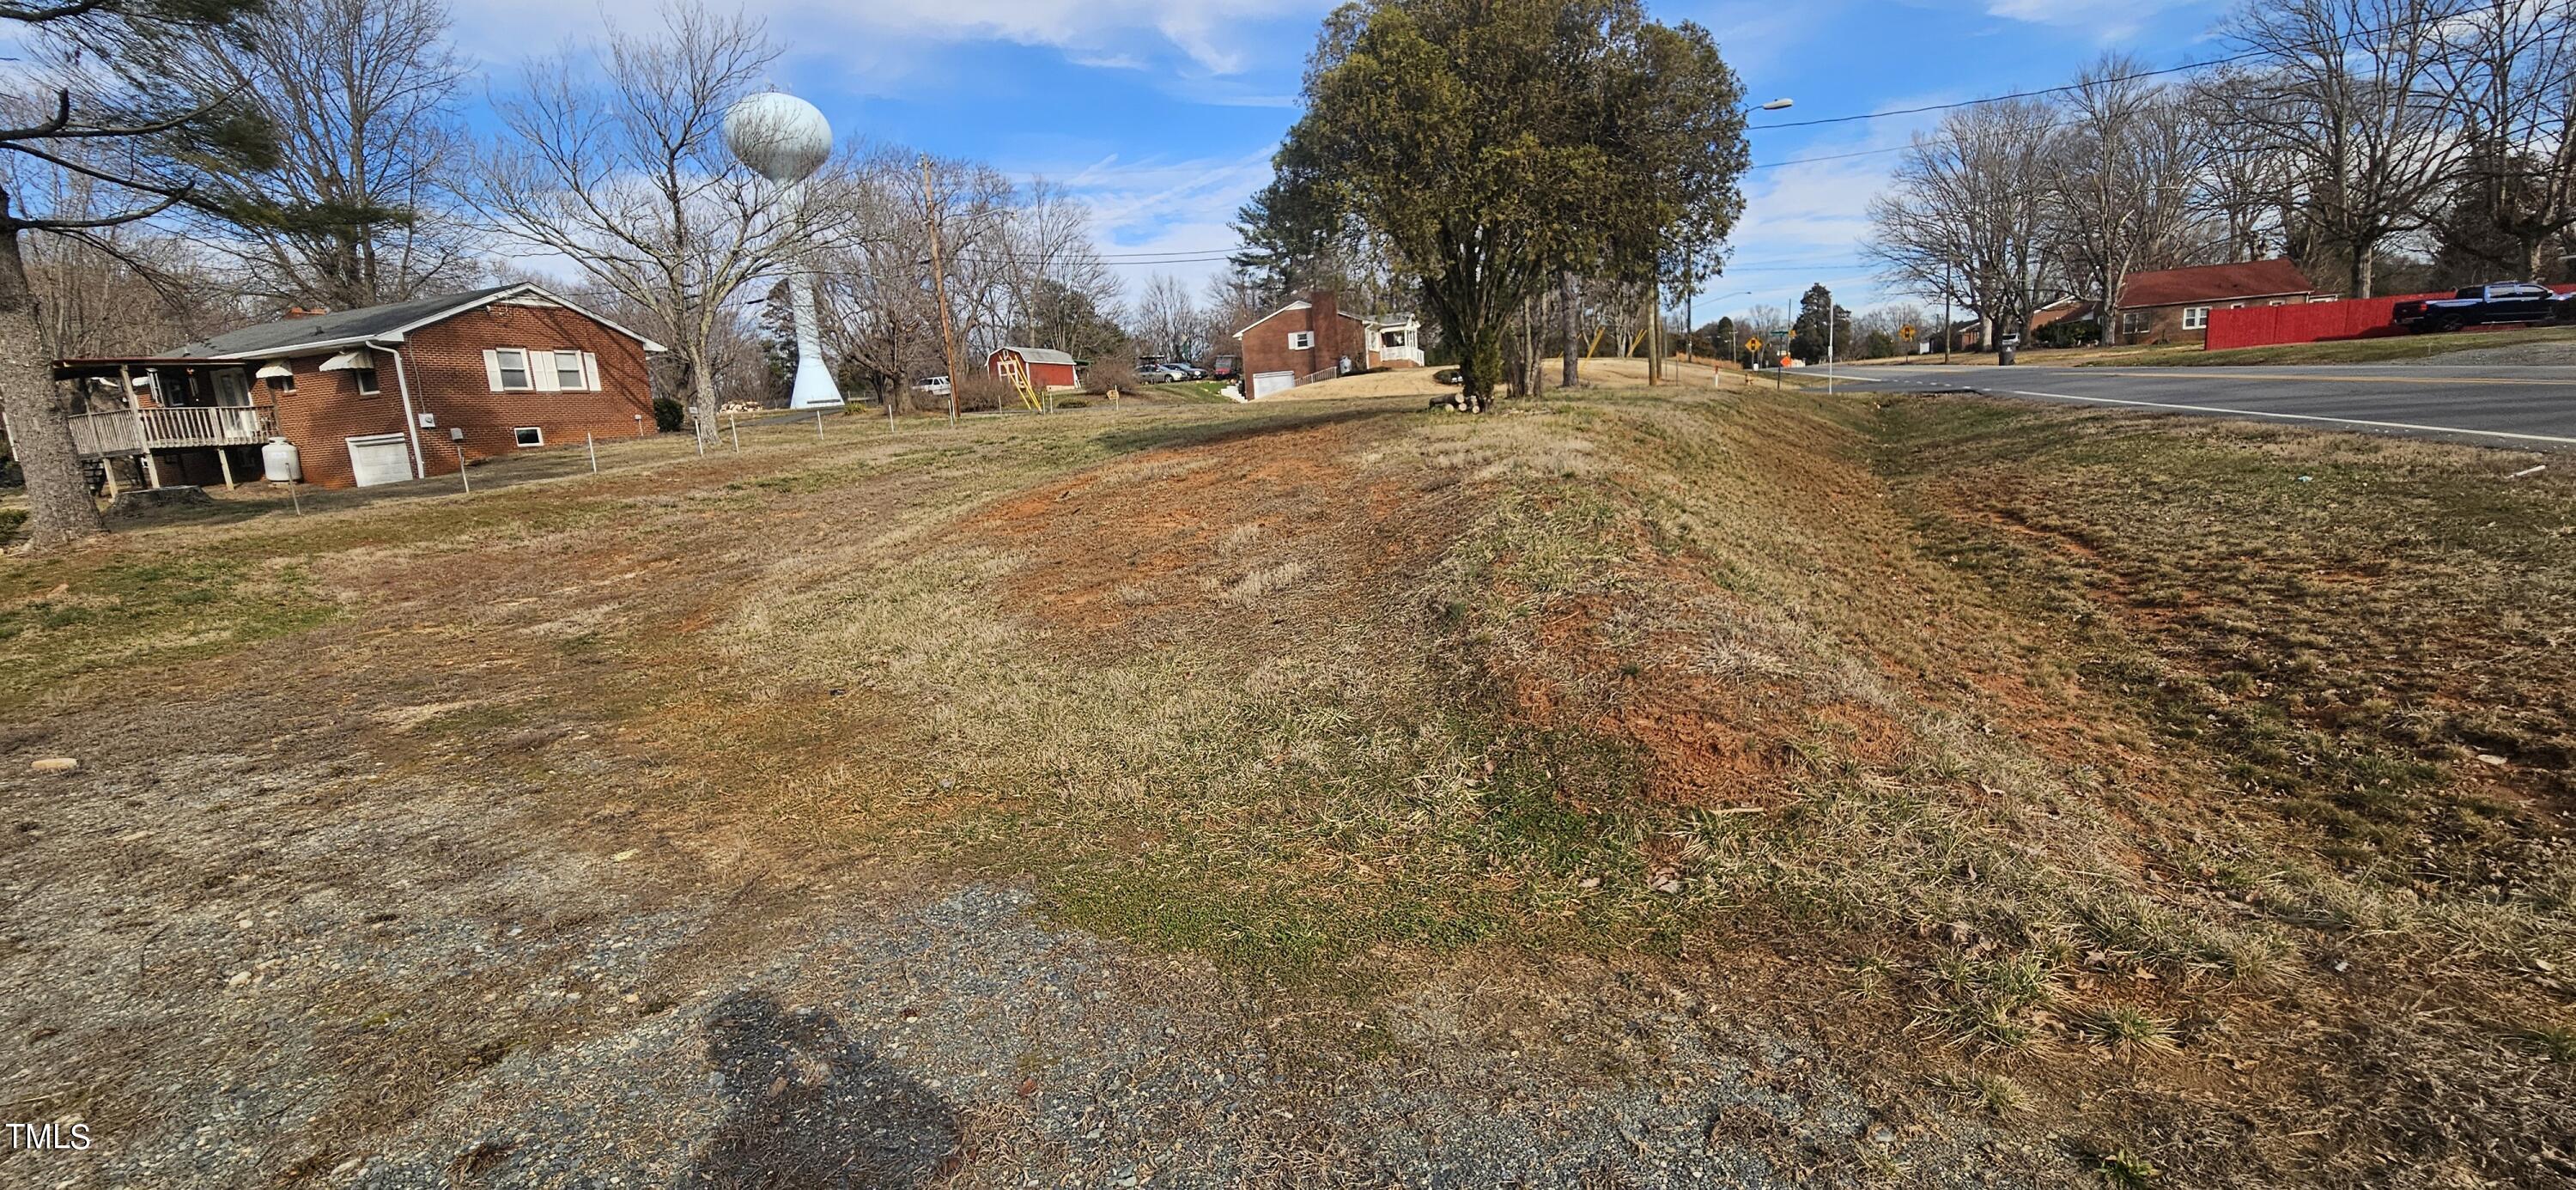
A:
[59,507]
[1480,366]
[702,395]
[2361,263]
[1569,298]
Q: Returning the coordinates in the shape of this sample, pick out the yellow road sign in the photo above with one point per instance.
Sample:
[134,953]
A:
[1906,331]
[1753,344]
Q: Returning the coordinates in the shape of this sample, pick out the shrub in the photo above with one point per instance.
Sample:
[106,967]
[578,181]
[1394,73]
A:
[984,391]
[1100,378]
[669,415]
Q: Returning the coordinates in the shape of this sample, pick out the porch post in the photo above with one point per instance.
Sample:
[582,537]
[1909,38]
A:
[142,433]
[224,459]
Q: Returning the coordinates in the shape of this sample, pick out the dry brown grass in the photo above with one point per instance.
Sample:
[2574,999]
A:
[1997,738]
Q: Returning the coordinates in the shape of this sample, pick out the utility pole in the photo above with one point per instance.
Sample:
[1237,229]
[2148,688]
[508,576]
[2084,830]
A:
[1945,314]
[1654,331]
[1569,298]
[1689,328]
[939,288]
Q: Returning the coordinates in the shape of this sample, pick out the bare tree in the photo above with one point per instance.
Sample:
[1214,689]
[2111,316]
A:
[2349,99]
[2508,72]
[1168,321]
[2124,172]
[1965,216]
[619,165]
[356,208]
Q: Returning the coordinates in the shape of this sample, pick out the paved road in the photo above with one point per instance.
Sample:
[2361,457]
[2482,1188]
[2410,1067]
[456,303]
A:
[2527,406]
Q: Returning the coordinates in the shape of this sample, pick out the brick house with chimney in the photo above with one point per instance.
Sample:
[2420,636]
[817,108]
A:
[376,395]
[1310,338]
[2173,305]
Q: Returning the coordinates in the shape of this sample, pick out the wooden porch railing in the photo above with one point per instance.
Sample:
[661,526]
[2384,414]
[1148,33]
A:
[132,431]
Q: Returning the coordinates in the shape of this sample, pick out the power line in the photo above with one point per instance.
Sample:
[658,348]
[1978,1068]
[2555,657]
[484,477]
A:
[2335,39]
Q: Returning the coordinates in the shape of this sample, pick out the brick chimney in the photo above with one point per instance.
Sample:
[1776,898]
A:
[303,312]
[1331,341]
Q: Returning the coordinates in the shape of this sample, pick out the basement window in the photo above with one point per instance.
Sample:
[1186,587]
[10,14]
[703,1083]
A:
[530,436]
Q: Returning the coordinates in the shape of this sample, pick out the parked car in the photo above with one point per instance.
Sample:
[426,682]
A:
[1159,372]
[936,386]
[1225,368]
[2501,301]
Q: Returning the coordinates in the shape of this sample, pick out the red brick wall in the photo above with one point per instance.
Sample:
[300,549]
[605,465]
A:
[443,364]
[1265,346]
[325,408]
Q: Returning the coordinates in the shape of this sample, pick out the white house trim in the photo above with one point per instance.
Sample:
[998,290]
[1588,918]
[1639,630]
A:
[1300,304]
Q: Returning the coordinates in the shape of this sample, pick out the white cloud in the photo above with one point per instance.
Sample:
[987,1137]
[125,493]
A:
[1161,205]
[869,43]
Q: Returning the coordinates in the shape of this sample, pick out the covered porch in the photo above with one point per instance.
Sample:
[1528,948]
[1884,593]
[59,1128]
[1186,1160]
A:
[130,412]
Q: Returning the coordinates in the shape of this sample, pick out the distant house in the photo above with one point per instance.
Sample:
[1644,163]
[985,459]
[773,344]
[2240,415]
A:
[369,396]
[2173,305]
[1312,338]
[1048,370]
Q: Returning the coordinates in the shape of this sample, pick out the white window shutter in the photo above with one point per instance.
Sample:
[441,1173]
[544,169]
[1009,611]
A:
[492,367]
[590,370]
[541,379]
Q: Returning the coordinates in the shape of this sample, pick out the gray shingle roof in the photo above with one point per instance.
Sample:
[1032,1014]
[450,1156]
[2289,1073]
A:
[365,322]
[1038,355]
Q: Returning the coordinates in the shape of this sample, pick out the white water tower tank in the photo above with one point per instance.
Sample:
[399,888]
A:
[782,138]
[281,462]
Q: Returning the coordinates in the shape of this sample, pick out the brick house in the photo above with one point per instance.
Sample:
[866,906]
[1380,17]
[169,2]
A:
[376,395]
[1310,338]
[2173,305]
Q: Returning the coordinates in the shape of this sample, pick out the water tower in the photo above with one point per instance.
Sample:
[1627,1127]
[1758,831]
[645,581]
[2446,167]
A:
[785,139]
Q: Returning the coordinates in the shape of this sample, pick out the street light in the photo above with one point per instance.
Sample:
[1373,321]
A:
[1778,105]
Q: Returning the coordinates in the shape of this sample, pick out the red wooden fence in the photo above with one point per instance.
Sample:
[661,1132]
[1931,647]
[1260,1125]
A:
[2314,322]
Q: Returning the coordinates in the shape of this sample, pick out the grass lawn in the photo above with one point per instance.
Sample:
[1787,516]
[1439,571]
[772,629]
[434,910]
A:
[2162,792]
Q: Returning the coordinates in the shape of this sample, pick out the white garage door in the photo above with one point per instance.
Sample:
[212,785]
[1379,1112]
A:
[380,458]
[1266,383]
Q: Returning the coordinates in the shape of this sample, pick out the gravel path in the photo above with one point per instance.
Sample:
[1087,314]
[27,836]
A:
[233,970]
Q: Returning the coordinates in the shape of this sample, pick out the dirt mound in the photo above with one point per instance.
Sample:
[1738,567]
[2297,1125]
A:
[1249,533]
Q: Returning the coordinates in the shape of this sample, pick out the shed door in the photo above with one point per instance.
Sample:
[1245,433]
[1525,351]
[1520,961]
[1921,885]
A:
[1266,383]
[380,458]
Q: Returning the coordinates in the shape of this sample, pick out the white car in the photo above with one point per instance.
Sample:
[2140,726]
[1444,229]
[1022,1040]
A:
[936,386]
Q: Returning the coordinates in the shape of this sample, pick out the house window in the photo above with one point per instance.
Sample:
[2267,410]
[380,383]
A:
[568,375]
[530,436]
[366,378]
[1391,339]
[2276,302]
[2195,318]
[1300,340]
[513,365]
[282,384]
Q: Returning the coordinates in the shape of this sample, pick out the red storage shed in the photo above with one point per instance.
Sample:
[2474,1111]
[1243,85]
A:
[1048,370]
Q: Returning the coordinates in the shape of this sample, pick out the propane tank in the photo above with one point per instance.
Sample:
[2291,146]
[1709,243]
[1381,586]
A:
[281,462]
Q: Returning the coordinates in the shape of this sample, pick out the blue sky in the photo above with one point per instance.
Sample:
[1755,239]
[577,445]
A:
[1162,114]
